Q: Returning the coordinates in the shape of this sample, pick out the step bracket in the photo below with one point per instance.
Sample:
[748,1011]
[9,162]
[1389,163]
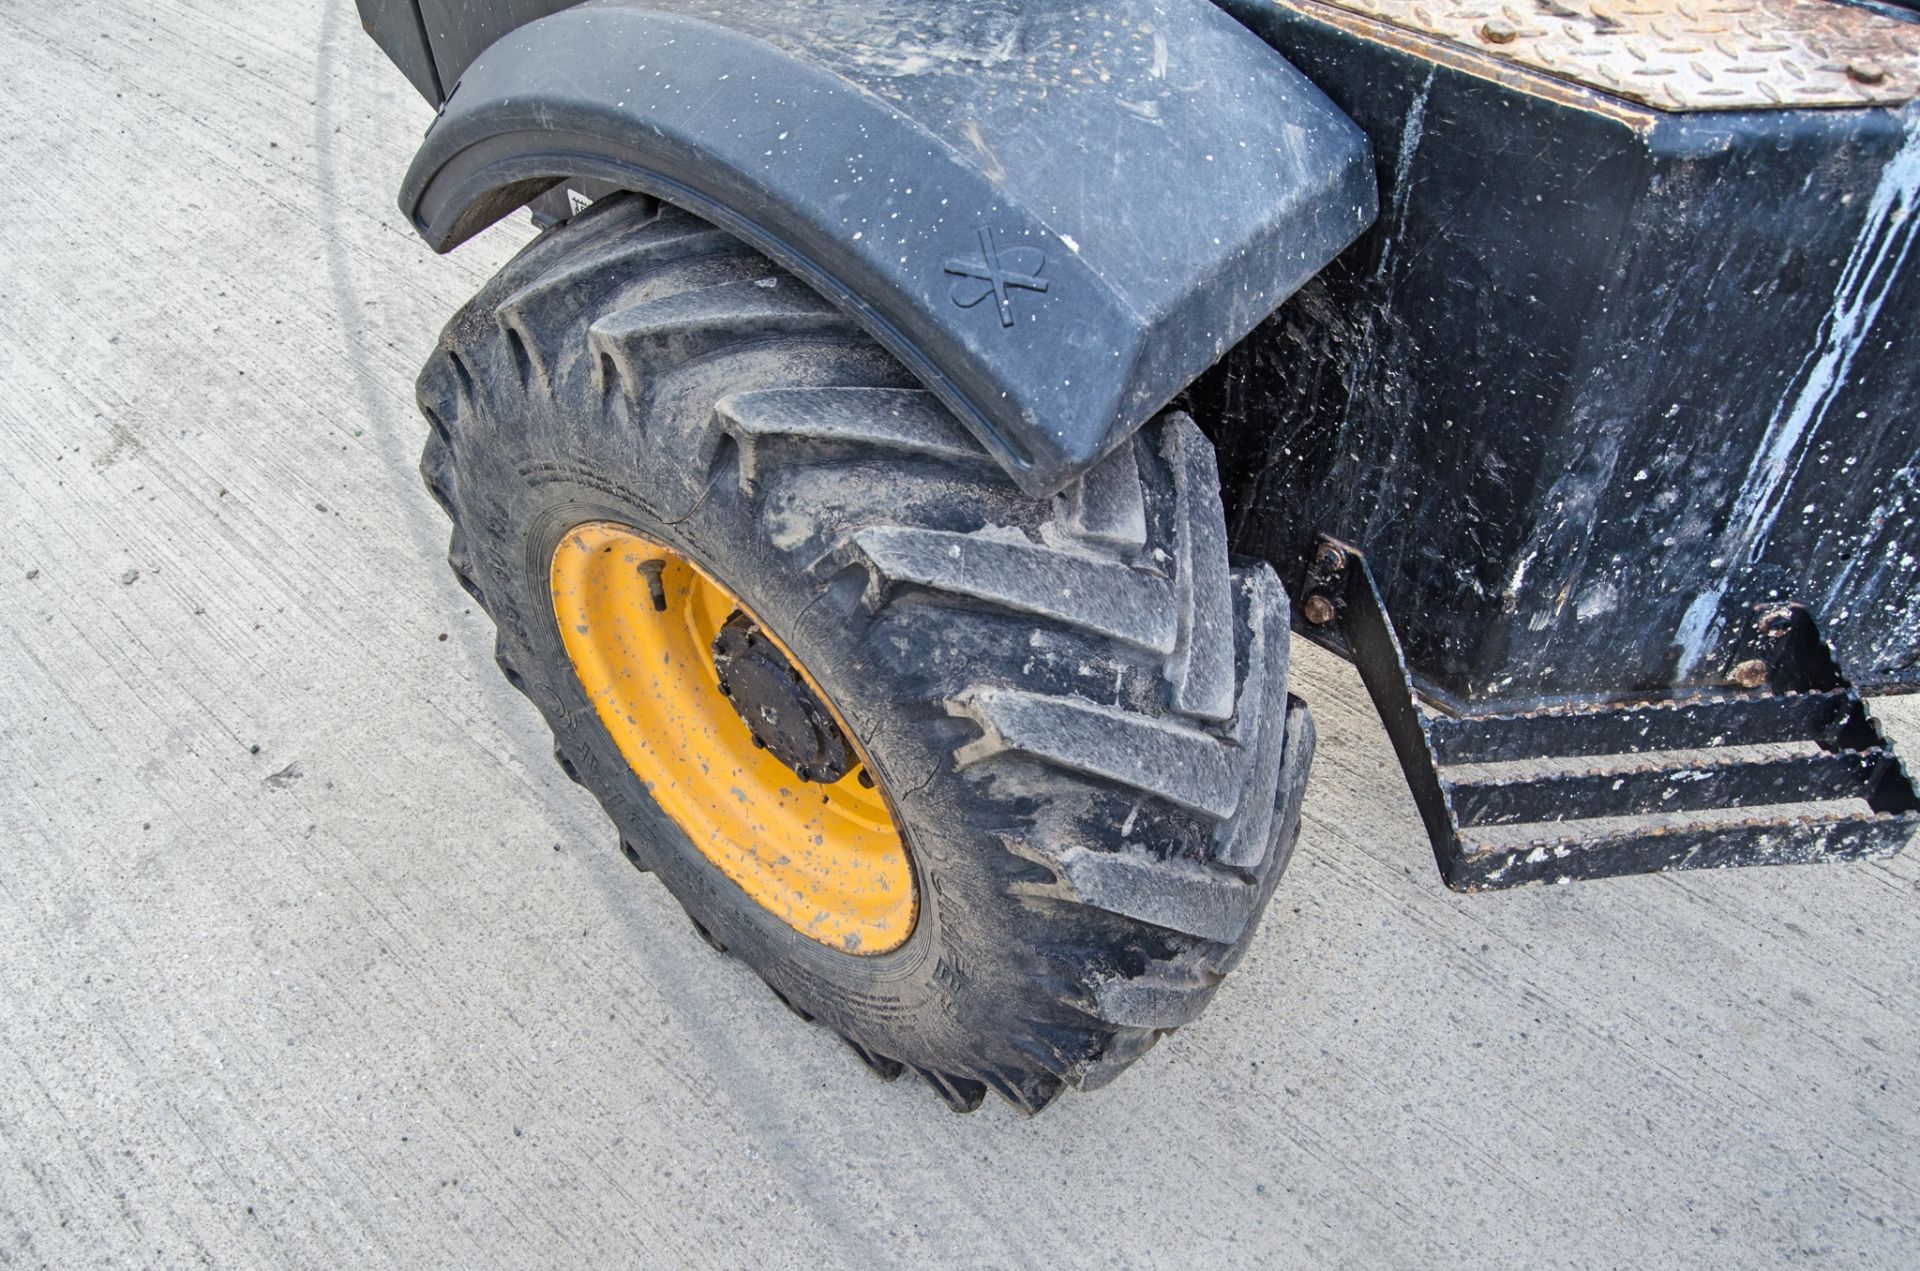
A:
[1792,769]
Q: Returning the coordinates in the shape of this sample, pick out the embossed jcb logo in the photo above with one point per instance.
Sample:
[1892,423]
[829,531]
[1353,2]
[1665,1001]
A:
[995,273]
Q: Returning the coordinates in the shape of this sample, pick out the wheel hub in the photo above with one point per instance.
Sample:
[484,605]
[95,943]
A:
[717,716]
[777,705]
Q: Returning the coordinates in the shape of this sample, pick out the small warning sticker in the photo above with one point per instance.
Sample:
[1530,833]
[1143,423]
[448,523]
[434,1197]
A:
[577,202]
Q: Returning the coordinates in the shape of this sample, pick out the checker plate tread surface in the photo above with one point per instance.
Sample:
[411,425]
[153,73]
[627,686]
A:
[1680,55]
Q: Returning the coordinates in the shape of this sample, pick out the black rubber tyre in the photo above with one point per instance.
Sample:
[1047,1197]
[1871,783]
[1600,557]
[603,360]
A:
[1077,706]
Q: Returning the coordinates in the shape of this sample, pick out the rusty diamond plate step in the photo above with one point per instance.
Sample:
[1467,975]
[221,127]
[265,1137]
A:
[1677,55]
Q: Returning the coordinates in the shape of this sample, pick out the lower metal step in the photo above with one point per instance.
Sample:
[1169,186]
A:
[1791,770]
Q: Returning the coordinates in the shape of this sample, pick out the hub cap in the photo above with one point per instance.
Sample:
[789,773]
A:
[778,706]
[677,670]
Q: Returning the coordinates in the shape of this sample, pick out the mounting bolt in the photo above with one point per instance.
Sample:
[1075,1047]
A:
[650,570]
[1329,559]
[1499,31]
[866,779]
[1319,610]
[1866,72]
[1775,623]
[1749,674]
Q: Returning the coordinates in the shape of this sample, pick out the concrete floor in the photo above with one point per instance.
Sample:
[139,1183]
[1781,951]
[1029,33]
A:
[312,958]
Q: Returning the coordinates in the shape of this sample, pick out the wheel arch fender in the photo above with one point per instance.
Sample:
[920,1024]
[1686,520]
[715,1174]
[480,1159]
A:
[1055,219]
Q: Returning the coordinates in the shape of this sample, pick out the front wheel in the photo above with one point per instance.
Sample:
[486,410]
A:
[996,788]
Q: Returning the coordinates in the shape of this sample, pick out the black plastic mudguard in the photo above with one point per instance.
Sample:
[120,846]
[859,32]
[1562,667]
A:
[1056,215]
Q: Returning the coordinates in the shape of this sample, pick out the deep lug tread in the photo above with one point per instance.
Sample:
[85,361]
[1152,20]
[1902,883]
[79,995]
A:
[881,1067]
[1127,1046]
[580,283]
[1180,896]
[663,333]
[1108,506]
[439,394]
[1201,670]
[962,1094]
[805,1017]
[614,218]
[1085,592]
[436,472]
[460,560]
[510,672]
[1260,719]
[1157,1000]
[700,929]
[523,368]
[1028,1092]
[838,423]
[615,263]
[1283,831]
[1181,765]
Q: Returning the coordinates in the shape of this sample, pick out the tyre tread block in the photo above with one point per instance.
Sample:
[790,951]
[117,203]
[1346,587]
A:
[962,1094]
[1178,764]
[1159,999]
[844,422]
[574,284]
[658,334]
[1101,596]
[1260,717]
[1108,506]
[1201,669]
[1179,895]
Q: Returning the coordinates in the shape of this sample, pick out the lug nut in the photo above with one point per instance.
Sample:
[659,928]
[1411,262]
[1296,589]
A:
[1319,610]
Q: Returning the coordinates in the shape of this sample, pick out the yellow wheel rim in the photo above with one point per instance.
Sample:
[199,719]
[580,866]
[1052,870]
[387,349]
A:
[639,623]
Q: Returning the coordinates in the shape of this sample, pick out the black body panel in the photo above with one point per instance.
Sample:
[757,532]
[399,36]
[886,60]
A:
[1601,380]
[396,27]
[460,30]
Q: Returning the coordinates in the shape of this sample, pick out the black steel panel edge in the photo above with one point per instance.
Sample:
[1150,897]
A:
[1598,379]
[396,26]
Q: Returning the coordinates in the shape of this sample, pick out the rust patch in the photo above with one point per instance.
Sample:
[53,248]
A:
[1474,62]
